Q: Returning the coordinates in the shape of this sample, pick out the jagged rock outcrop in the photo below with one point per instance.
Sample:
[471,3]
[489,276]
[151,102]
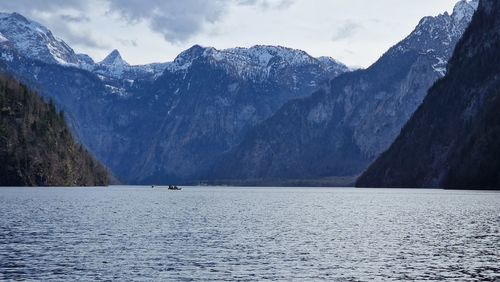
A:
[453,139]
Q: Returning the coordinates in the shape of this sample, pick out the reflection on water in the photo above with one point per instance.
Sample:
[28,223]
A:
[228,234]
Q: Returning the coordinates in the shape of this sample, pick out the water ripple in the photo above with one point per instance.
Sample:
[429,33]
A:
[223,234]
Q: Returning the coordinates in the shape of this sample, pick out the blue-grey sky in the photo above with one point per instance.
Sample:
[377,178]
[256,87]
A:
[356,32]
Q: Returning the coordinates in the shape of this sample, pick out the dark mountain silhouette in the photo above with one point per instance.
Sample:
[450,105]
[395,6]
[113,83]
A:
[453,140]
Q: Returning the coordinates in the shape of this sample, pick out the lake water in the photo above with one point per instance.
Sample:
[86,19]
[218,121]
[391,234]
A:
[210,233]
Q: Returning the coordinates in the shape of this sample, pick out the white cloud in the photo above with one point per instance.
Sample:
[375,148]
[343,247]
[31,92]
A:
[177,20]
[346,30]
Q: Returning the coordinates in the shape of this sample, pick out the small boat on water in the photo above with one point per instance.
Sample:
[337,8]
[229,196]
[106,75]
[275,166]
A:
[174,187]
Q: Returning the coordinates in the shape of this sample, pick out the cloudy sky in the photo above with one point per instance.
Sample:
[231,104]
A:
[356,32]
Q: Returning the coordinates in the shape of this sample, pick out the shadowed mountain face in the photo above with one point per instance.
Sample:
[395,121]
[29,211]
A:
[339,130]
[36,147]
[453,140]
[207,100]
[161,122]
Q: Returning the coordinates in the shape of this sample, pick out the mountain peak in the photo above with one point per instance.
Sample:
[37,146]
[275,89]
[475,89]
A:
[255,62]
[115,53]
[446,28]
[465,9]
[19,16]
[187,56]
[114,58]
[35,41]
[114,65]
[15,16]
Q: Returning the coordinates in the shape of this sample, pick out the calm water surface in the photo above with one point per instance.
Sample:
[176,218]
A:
[210,233]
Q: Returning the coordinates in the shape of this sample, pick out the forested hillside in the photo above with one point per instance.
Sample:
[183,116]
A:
[36,147]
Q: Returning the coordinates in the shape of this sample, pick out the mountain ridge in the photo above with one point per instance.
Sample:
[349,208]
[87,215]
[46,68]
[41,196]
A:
[177,119]
[37,42]
[111,107]
[339,130]
[452,139]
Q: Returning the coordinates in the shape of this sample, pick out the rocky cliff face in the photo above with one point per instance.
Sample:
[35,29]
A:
[36,146]
[452,141]
[339,130]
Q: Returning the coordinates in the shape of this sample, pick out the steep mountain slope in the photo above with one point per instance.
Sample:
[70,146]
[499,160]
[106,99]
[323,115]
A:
[33,40]
[339,130]
[201,106]
[173,119]
[36,147]
[453,140]
[208,99]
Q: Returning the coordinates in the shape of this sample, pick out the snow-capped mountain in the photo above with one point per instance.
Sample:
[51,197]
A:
[36,42]
[452,139]
[175,119]
[211,99]
[338,131]
[257,62]
[179,118]
[33,40]
[114,66]
[86,62]
[439,34]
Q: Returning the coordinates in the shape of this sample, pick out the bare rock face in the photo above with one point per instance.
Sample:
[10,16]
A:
[339,130]
[452,139]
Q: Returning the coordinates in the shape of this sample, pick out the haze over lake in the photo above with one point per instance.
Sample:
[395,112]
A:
[214,233]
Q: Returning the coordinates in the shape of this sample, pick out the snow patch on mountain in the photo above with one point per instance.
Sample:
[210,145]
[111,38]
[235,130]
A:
[255,62]
[116,90]
[7,57]
[114,66]
[114,59]
[438,35]
[262,55]
[440,66]
[464,9]
[2,38]
[86,62]
[35,41]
